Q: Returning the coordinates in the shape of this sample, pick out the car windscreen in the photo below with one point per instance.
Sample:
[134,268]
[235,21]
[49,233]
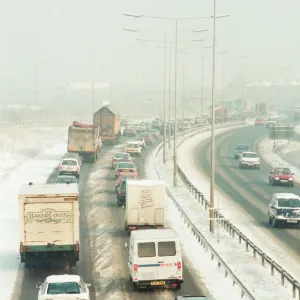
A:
[125,165]
[56,288]
[250,155]
[68,162]
[66,180]
[284,171]
[146,250]
[132,146]
[121,155]
[292,203]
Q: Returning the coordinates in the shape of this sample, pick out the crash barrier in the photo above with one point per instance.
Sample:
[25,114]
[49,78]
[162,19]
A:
[46,123]
[245,291]
[229,227]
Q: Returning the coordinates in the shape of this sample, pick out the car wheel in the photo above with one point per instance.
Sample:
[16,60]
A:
[274,223]
[270,220]
[291,184]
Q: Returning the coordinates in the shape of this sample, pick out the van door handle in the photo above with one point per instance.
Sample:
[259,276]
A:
[160,262]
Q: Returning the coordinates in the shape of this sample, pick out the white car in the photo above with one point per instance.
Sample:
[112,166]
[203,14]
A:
[133,148]
[140,140]
[69,166]
[249,159]
[70,287]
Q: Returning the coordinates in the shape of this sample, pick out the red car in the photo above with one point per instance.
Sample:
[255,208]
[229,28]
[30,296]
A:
[260,121]
[126,176]
[281,176]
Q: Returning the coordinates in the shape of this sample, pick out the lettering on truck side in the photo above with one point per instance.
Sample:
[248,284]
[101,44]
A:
[146,199]
[49,215]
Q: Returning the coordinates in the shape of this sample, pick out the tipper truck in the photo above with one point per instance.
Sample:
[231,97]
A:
[108,120]
[84,140]
[145,201]
[49,224]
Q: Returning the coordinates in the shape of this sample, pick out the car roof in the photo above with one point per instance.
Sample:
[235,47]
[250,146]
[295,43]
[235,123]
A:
[286,196]
[70,158]
[121,153]
[132,142]
[66,176]
[250,152]
[62,278]
[281,168]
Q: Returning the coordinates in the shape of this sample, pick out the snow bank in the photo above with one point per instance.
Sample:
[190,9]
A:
[250,269]
[36,170]
[280,156]
[297,129]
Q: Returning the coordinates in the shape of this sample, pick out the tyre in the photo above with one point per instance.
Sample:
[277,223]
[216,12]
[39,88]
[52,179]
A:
[274,223]
[270,220]
[135,286]
[178,287]
[291,184]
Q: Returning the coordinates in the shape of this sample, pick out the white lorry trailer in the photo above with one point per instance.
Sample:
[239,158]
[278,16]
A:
[145,200]
[49,224]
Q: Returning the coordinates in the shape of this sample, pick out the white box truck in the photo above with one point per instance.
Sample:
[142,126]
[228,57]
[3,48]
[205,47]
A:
[49,224]
[145,201]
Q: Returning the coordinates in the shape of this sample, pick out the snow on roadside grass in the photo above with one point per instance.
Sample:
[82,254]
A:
[36,170]
[241,219]
[276,158]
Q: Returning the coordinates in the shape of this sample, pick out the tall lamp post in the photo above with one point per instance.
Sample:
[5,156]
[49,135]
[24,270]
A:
[175,20]
[212,177]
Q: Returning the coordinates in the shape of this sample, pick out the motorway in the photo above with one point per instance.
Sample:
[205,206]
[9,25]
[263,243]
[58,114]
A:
[248,188]
[104,216]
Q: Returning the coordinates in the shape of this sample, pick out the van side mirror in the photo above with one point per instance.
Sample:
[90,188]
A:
[38,286]
[126,246]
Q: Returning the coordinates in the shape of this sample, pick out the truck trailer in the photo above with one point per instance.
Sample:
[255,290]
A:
[145,201]
[108,120]
[49,224]
[84,140]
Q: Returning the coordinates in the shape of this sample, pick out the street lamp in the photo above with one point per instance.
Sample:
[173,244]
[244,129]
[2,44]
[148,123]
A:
[175,81]
[212,178]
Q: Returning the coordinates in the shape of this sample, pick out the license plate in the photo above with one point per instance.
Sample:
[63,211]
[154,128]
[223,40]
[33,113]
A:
[284,181]
[292,221]
[158,282]
[125,171]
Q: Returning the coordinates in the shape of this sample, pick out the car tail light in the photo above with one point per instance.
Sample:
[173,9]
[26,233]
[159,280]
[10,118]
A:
[77,247]
[77,168]
[179,265]
[135,268]
[60,166]
[21,248]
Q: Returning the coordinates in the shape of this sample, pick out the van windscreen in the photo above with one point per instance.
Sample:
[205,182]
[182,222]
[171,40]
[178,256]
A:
[166,249]
[146,250]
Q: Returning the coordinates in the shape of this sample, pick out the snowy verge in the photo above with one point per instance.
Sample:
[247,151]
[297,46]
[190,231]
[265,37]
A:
[244,223]
[266,284]
[275,157]
[36,170]
[297,129]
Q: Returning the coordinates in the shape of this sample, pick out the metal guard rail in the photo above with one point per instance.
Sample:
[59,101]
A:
[231,229]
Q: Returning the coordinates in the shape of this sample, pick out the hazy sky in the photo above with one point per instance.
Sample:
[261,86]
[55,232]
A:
[67,38]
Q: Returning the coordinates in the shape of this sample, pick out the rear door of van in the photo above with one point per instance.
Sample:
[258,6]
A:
[145,262]
[169,259]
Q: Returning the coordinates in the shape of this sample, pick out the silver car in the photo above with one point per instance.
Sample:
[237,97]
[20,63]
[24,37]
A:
[66,179]
[69,166]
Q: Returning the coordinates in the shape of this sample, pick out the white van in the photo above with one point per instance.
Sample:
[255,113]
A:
[154,259]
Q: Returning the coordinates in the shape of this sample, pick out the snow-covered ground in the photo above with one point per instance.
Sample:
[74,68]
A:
[297,129]
[29,155]
[249,269]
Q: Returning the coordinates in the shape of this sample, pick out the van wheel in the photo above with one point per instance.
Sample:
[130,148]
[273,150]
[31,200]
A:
[178,286]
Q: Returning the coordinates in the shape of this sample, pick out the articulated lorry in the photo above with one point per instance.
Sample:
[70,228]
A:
[145,202]
[84,140]
[49,224]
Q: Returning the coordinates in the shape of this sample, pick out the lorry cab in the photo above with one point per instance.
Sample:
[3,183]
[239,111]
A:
[154,259]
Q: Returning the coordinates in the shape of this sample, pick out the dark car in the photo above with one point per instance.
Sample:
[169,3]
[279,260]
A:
[239,150]
[129,131]
[121,193]
[282,176]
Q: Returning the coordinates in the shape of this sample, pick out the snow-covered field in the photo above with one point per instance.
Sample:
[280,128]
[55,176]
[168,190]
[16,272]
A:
[28,155]
[249,269]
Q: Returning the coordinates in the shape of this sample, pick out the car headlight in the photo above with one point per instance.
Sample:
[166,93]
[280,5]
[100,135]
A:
[291,178]
[276,178]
